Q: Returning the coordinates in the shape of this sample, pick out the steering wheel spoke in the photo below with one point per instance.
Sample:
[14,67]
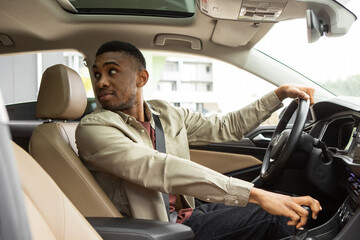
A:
[284,141]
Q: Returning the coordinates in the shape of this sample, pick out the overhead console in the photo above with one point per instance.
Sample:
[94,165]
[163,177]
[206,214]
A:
[243,9]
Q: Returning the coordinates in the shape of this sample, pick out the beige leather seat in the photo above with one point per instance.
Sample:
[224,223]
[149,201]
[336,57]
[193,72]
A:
[50,213]
[62,97]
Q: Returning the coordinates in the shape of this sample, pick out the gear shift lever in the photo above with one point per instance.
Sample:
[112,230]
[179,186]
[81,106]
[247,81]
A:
[301,234]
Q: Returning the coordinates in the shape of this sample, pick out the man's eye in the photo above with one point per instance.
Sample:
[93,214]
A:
[97,75]
[112,71]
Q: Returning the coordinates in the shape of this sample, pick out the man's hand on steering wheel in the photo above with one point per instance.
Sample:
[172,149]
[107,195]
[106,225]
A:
[295,91]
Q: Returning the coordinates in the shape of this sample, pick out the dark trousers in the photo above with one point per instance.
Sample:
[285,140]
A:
[217,221]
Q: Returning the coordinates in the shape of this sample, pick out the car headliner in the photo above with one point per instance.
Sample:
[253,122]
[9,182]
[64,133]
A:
[40,25]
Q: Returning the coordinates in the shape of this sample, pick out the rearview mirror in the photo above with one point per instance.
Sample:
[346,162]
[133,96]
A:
[315,27]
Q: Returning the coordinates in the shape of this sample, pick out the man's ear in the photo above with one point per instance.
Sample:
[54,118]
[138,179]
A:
[142,79]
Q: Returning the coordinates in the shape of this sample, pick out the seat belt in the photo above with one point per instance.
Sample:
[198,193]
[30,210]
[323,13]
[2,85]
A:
[159,135]
[160,146]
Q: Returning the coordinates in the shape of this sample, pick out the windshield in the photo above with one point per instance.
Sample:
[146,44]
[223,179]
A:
[332,62]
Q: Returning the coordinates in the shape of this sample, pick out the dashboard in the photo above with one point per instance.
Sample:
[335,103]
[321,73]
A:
[337,124]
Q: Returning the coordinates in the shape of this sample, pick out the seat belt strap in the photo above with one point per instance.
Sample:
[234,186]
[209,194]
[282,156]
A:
[160,146]
[159,135]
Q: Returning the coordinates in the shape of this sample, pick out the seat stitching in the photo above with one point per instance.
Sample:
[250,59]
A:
[36,206]
[63,211]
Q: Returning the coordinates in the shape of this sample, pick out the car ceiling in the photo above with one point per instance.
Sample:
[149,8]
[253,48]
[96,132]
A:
[40,25]
[43,25]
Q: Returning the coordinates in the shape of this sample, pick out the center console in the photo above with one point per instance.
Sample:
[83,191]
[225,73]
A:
[349,212]
[345,224]
[348,209]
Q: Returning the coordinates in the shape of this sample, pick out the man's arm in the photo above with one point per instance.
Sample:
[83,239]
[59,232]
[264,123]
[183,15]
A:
[231,127]
[234,125]
[105,148]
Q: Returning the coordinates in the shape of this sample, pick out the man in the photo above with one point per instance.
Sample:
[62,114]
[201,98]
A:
[117,143]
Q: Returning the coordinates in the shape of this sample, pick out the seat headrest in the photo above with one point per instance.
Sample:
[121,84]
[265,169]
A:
[62,94]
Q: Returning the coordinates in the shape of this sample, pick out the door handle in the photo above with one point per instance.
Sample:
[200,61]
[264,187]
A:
[261,138]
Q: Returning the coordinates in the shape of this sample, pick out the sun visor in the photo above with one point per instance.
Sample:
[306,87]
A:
[227,33]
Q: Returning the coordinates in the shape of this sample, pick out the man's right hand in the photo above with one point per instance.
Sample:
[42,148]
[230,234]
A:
[279,204]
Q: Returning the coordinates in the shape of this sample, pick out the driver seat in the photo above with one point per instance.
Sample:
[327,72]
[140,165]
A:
[62,97]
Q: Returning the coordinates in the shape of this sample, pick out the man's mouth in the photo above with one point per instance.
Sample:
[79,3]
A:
[105,95]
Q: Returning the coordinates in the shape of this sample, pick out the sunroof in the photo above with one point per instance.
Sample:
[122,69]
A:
[159,8]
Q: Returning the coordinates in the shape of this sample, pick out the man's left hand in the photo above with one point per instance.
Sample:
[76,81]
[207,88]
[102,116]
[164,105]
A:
[295,91]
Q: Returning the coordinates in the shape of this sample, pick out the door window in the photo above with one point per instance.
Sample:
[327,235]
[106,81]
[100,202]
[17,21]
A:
[202,84]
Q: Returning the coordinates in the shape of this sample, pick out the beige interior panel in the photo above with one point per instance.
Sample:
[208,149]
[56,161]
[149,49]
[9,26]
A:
[223,162]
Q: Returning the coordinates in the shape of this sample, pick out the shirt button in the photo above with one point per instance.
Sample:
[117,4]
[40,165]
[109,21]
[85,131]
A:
[236,202]
[142,130]
[208,199]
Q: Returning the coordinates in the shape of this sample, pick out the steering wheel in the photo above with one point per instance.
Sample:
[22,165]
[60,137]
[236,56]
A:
[284,141]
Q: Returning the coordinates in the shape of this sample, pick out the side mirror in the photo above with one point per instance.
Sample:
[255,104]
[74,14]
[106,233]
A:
[315,27]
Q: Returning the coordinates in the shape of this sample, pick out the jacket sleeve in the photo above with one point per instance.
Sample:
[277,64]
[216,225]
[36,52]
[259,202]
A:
[232,126]
[106,148]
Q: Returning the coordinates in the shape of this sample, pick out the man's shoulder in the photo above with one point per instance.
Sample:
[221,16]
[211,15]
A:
[160,105]
[100,116]
[164,108]
[168,113]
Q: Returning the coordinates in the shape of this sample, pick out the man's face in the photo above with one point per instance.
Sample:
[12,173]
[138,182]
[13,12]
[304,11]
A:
[116,80]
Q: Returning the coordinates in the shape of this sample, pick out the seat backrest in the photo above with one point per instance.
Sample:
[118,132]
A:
[62,97]
[50,213]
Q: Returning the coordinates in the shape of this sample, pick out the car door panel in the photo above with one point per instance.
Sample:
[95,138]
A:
[223,162]
[240,159]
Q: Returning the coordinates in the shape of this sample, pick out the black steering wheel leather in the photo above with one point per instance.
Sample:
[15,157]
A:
[284,141]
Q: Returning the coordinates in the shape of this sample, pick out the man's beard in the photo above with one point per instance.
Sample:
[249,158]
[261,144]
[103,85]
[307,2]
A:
[120,106]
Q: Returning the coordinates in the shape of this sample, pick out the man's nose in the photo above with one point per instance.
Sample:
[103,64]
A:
[103,82]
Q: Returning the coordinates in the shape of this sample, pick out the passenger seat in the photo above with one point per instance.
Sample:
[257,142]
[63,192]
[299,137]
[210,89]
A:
[61,98]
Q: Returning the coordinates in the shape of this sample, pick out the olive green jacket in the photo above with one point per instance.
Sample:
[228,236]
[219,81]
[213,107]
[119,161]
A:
[120,154]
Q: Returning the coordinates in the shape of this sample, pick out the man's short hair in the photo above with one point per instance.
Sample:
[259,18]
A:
[124,47]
